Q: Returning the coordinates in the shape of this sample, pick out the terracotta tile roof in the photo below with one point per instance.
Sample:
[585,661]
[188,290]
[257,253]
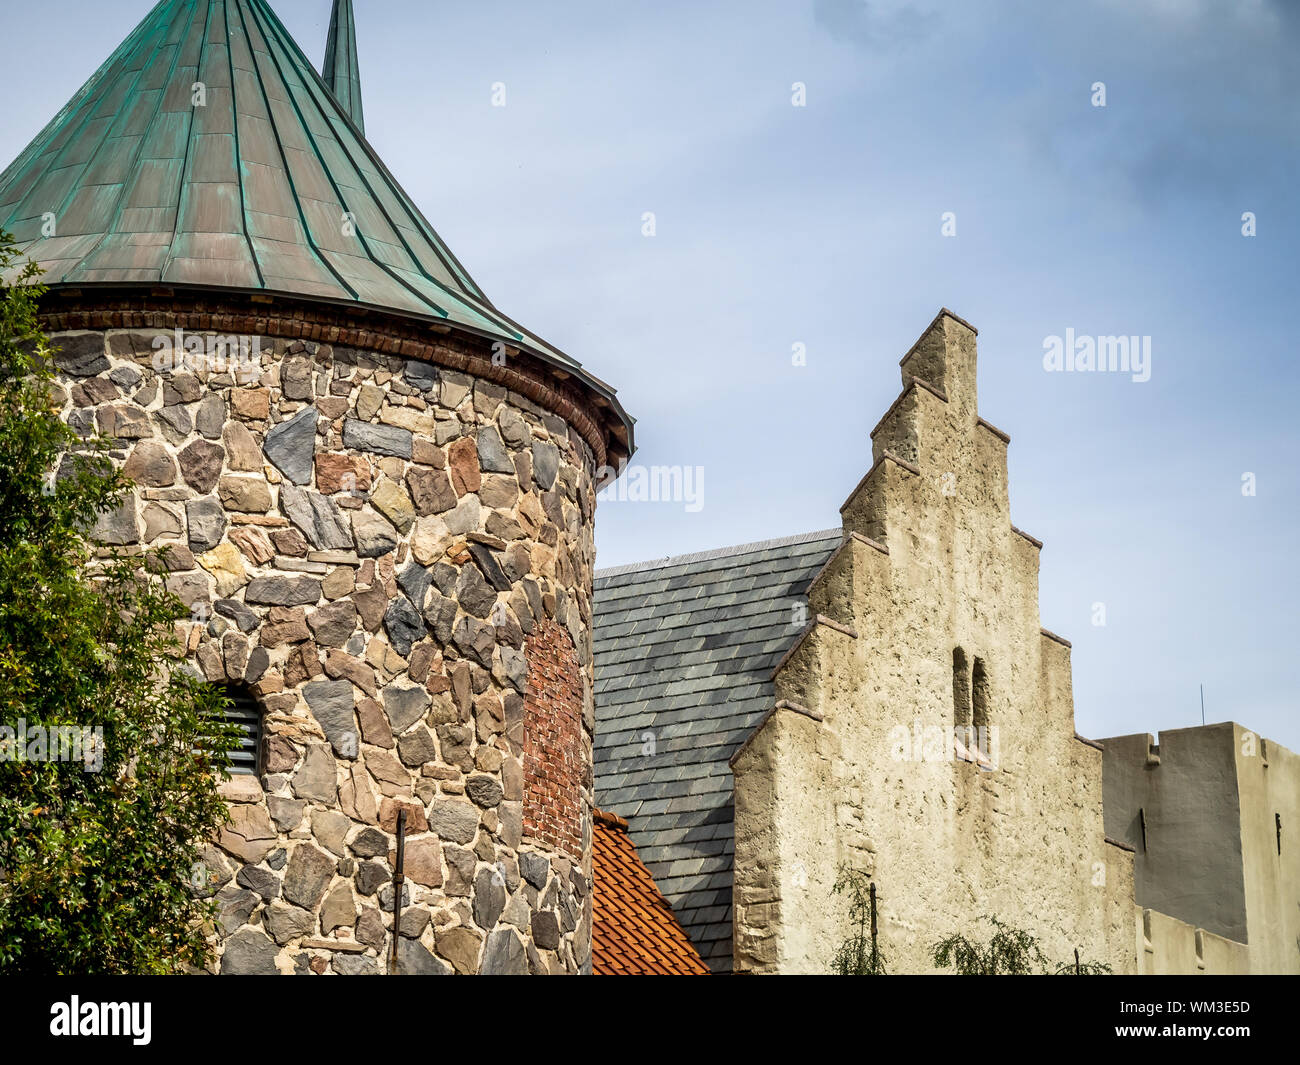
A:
[634,932]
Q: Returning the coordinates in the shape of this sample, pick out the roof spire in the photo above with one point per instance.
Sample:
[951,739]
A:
[341,71]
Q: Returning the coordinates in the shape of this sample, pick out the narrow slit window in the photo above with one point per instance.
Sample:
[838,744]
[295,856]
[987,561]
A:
[980,692]
[961,718]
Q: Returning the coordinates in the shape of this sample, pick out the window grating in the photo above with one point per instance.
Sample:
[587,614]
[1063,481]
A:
[244,712]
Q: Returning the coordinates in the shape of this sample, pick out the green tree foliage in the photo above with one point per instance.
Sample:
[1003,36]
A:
[859,954]
[1008,952]
[96,867]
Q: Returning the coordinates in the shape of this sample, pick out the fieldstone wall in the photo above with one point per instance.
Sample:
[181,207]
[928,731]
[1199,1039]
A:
[366,541]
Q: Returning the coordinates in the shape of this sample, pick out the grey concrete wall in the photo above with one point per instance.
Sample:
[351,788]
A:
[1190,865]
[1212,797]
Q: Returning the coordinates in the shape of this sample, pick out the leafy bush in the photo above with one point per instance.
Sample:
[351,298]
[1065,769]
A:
[95,866]
[859,954]
[1008,952]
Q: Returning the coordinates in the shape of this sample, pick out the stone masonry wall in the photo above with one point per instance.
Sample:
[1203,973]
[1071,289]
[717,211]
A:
[366,542]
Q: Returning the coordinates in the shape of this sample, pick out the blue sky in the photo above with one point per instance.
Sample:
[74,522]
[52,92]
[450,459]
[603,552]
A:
[821,225]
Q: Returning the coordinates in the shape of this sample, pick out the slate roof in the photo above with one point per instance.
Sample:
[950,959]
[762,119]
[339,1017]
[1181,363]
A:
[685,649]
[633,930]
[207,152]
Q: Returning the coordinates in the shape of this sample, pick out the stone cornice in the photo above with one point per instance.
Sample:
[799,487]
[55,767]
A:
[943,313]
[820,619]
[875,466]
[1032,539]
[1058,639]
[782,704]
[1004,437]
[914,382]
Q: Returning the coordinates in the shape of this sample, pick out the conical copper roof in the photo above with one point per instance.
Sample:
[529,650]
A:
[208,152]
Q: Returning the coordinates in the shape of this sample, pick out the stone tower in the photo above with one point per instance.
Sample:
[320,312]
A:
[376,491]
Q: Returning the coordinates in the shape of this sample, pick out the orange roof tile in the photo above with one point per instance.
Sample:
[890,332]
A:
[633,932]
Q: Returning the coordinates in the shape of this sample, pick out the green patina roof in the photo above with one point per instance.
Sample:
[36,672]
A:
[266,183]
[341,71]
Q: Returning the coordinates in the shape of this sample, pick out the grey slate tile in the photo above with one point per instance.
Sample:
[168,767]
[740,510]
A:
[684,650]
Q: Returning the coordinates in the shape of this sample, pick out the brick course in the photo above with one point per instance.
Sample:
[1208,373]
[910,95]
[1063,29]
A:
[553,752]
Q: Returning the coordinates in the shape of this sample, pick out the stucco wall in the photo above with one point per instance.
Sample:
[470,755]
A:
[1167,946]
[935,565]
[1268,777]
